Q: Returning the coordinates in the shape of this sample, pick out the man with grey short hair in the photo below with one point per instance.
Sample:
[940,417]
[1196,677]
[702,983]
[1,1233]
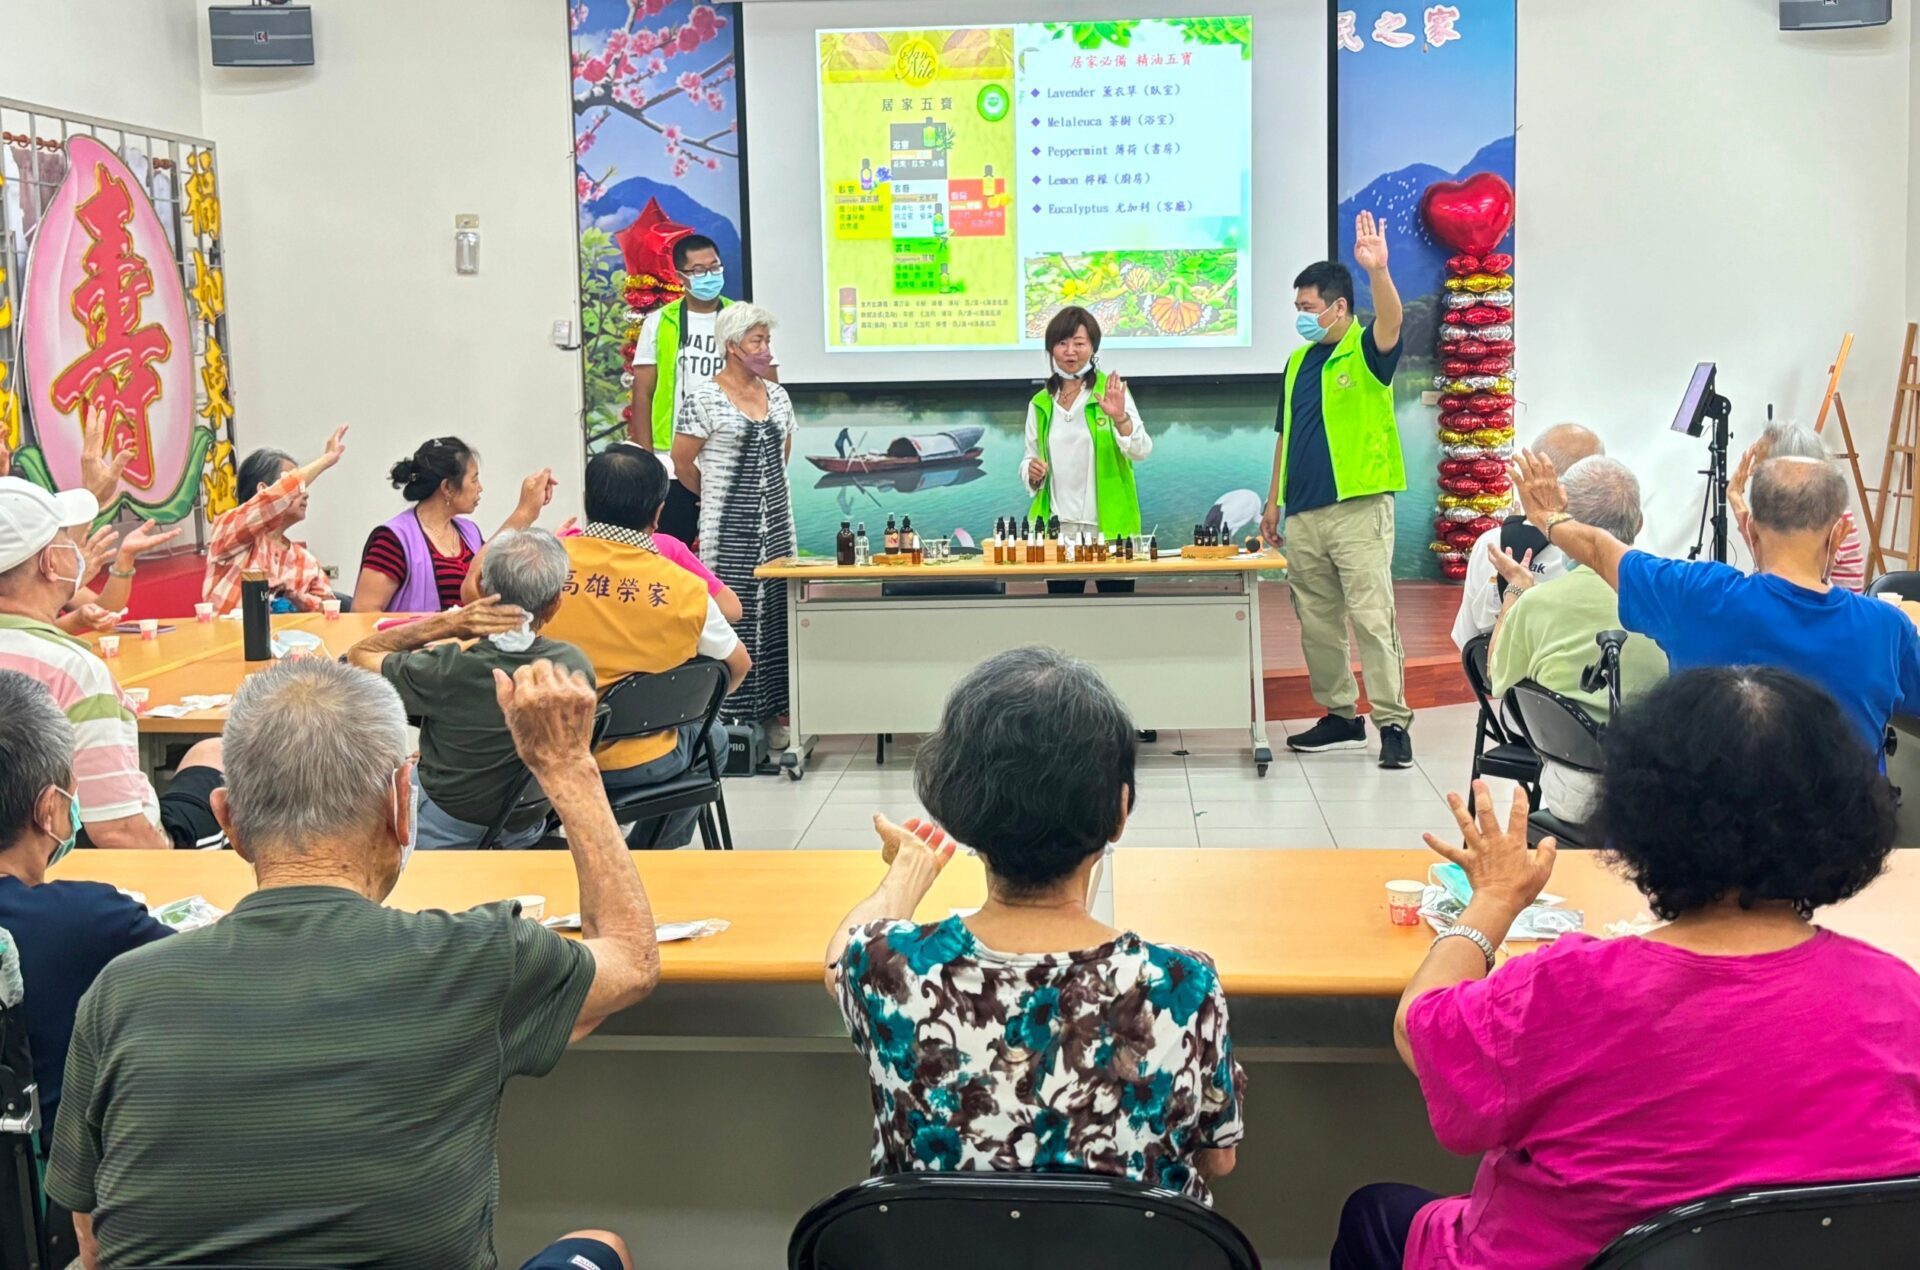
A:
[1787,613]
[1546,629]
[1484,588]
[315,1079]
[468,769]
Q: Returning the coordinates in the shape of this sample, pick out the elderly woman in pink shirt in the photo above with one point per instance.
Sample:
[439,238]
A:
[1737,1045]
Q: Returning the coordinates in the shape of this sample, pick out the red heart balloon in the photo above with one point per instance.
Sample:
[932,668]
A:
[1470,216]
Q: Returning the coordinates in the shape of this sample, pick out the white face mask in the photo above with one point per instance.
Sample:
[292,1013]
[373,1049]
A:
[1064,373]
[79,566]
[514,641]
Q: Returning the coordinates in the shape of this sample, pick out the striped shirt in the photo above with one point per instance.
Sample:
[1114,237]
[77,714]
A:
[313,1080]
[106,737]
[384,554]
[1850,561]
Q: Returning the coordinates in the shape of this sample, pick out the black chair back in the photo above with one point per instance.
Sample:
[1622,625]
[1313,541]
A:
[525,798]
[1014,1221]
[1904,583]
[1497,749]
[641,705]
[1473,660]
[1855,1225]
[1557,727]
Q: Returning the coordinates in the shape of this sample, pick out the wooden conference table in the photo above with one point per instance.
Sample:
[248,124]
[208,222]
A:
[1182,649]
[1293,932]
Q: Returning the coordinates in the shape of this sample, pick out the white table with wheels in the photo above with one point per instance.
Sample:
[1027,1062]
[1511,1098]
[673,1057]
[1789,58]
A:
[1182,649]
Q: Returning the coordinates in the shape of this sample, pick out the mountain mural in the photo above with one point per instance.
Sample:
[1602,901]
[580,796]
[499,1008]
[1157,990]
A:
[1418,262]
[614,211]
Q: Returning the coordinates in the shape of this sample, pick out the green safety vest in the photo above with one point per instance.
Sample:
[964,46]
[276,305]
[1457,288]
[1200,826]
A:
[1113,488]
[667,339]
[1363,437]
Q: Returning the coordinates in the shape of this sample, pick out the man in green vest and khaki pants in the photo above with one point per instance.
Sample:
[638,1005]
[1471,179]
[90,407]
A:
[1336,468]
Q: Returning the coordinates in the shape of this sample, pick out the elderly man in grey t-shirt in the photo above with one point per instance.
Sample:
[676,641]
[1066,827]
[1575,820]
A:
[315,1079]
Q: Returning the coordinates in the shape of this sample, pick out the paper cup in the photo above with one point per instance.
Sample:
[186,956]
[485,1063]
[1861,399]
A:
[139,698]
[1403,902]
[331,608]
[203,612]
[109,645]
[149,628]
[532,907]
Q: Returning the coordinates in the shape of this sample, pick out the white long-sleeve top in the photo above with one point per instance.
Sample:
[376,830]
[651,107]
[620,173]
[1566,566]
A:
[1070,461]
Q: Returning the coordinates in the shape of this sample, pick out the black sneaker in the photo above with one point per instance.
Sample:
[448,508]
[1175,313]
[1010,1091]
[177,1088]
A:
[1331,733]
[1396,747]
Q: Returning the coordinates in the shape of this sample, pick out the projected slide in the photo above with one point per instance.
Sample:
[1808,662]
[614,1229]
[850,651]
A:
[977,179]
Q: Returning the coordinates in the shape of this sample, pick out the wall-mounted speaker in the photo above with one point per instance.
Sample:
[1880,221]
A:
[1831,15]
[275,34]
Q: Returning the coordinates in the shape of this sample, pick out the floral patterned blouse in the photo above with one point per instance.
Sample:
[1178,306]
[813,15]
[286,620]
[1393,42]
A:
[1113,1059]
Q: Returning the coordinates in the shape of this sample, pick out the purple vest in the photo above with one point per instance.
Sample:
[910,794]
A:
[420,593]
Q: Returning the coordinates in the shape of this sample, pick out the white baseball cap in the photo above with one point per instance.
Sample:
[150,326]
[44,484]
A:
[30,518]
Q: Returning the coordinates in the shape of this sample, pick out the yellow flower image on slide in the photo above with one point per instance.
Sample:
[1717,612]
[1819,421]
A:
[1138,294]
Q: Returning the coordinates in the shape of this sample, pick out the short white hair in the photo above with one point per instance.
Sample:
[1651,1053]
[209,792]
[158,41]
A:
[1604,493]
[734,321]
[310,750]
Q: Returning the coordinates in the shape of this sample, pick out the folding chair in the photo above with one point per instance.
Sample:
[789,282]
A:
[1014,1221]
[1496,751]
[1858,1225]
[641,705]
[1557,729]
[526,797]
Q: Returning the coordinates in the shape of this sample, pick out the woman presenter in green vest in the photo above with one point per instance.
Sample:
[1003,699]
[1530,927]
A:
[1083,437]
[675,357]
[1336,467]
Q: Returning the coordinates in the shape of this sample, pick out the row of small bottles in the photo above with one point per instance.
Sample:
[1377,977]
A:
[1210,536]
[850,545]
[1027,542]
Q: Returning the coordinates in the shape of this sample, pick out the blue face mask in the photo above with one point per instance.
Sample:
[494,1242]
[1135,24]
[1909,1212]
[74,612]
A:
[706,286]
[73,829]
[1308,324]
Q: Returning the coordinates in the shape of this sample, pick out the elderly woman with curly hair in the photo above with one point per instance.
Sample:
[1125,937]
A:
[1029,1036]
[1738,1044]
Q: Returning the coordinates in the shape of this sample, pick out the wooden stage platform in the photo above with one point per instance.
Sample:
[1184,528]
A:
[1434,676]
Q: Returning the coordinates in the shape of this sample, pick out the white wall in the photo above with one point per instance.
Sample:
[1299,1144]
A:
[1696,185]
[341,183]
[132,61]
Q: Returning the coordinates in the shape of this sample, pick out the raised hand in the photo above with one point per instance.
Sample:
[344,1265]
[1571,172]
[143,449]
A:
[1539,488]
[99,473]
[549,711]
[1518,573]
[915,852]
[536,491]
[1369,243]
[99,548]
[485,616]
[147,537]
[1495,858]
[337,443]
[1113,402]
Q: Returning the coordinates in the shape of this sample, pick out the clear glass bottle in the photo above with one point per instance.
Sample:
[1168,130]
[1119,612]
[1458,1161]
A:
[862,550]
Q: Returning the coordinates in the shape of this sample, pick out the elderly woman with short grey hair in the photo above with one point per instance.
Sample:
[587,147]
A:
[469,774]
[1029,1035]
[730,448]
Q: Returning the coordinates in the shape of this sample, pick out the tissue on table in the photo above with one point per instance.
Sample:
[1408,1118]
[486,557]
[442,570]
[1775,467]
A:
[663,932]
[191,913]
[1448,894]
[190,703]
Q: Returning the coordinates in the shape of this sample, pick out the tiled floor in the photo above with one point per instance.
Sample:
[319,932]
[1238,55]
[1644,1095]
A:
[1206,797]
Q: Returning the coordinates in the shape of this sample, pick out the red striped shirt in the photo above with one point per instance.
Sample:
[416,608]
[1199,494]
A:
[384,554]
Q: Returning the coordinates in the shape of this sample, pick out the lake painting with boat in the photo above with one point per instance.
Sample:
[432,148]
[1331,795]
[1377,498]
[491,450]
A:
[951,460]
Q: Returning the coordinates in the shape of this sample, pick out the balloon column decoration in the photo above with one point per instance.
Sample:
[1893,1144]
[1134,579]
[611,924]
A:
[1475,356]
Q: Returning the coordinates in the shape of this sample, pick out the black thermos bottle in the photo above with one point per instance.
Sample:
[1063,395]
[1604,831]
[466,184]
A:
[256,628]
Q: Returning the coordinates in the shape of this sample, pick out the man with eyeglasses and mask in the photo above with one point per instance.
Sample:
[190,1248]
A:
[675,356]
[41,562]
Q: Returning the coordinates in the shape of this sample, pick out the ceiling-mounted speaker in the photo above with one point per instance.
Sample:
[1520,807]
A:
[273,34]
[1832,15]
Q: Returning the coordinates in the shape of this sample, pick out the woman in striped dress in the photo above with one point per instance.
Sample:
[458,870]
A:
[730,448]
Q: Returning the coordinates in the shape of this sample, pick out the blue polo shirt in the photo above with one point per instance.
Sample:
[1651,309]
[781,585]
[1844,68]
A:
[1309,461]
[67,932]
[1863,651]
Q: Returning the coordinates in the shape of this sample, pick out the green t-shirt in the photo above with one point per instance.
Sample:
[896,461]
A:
[1549,638]
[313,1080]
[468,765]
